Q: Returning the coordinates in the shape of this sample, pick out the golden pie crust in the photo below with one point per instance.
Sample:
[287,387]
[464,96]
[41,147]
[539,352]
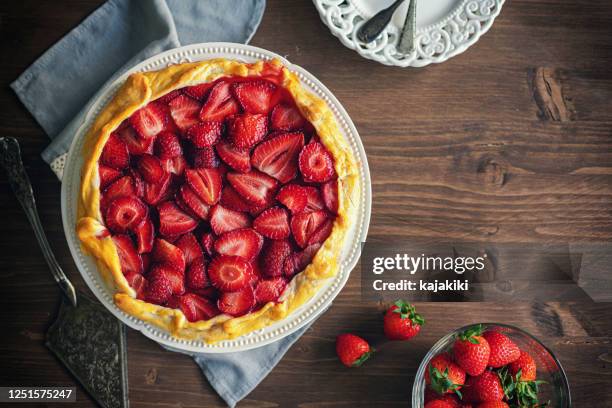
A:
[138,90]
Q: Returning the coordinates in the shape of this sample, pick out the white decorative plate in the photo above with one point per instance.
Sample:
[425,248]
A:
[445,28]
[301,316]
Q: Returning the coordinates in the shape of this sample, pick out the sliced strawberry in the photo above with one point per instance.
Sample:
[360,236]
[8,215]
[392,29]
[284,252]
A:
[269,290]
[107,175]
[136,145]
[321,233]
[229,273]
[237,303]
[175,165]
[138,283]
[168,97]
[184,112]
[150,120]
[145,234]
[124,214]
[150,168]
[205,157]
[139,183]
[169,254]
[293,197]
[223,219]
[209,293]
[198,91]
[115,153]
[194,202]
[119,188]
[129,259]
[196,308]
[205,134]
[330,195]
[244,243]
[274,255]
[232,200]
[316,164]
[174,276]
[237,159]
[208,243]
[278,157]
[246,130]
[159,289]
[314,202]
[219,103]
[255,187]
[206,183]
[304,225]
[196,276]
[298,261]
[286,117]
[190,247]
[178,200]
[273,223]
[254,96]
[173,221]
[154,192]
[167,145]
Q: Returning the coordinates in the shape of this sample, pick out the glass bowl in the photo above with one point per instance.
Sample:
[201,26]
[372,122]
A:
[556,389]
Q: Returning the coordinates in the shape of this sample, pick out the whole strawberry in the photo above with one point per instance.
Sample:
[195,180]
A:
[484,387]
[442,403]
[402,322]
[503,350]
[471,351]
[525,365]
[493,404]
[352,350]
[443,375]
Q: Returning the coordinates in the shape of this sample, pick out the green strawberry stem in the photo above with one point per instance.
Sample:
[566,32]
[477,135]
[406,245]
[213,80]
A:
[364,357]
[468,335]
[408,311]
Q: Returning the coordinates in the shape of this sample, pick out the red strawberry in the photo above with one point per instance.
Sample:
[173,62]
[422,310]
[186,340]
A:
[150,120]
[169,254]
[329,191]
[298,261]
[483,387]
[168,97]
[316,164]
[145,234]
[503,350]
[443,375]
[159,289]
[526,365]
[196,276]
[232,200]
[254,96]
[246,130]
[123,187]
[136,144]
[229,273]
[197,308]
[167,145]
[128,257]
[273,223]
[255,187]
[223,219]
[442,403]
[493,404]
[115,153]
[472,351]
[305,225]
[208,243]
[314,202]
[205,134]
[293,197]
[175,277]
[206,183]
[352,350]
[237,159]
[278,157]
[184,111]
[205,157]
[198,91]
[286,117]
[190,247]
[107,175]
[154,192]
[219,103]
[194,202]
[273,259]
[321,234]
[402,322]
[269,290]
[244,243]
[173,221]
[175,165]
[237,303]
[138,182]
[138,283]
[150,168]
[124,214]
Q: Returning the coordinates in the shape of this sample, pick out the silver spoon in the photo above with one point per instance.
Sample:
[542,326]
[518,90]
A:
[375,25]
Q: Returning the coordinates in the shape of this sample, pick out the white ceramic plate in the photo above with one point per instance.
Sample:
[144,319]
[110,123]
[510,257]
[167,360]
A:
[300,317]
[445,28]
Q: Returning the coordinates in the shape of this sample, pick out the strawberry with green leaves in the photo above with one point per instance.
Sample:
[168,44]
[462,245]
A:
[352,350]
[524,367]
[402,322]
[519,391]
[472,351]
[444,376]
[503,350]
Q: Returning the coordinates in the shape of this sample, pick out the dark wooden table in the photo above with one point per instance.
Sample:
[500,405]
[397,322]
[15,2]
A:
[511,141]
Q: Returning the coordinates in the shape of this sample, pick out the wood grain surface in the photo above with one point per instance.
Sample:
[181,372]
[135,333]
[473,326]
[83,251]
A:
[510,141]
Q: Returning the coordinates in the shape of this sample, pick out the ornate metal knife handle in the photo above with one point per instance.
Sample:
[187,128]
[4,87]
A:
[10,159]
[375,25]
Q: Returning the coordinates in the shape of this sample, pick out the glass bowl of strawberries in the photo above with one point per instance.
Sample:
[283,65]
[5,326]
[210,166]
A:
[490,365]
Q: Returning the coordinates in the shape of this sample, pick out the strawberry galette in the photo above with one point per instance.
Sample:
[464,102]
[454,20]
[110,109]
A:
[215,196]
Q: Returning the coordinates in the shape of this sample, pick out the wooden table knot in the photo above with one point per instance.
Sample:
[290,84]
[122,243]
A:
[547,92]
[151,376]
[492,172]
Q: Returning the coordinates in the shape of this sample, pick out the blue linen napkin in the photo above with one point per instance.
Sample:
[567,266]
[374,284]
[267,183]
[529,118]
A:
[59,87]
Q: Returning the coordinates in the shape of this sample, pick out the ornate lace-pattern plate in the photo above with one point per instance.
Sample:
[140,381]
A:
[445,28]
